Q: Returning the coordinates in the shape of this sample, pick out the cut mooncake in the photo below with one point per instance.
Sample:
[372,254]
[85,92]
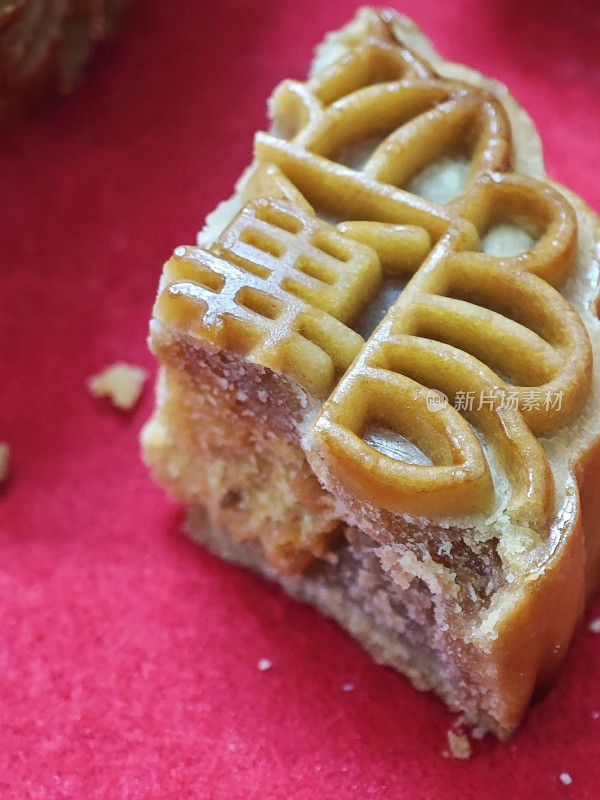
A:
[377,371]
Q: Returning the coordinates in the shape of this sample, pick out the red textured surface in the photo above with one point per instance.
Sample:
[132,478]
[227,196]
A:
[128,656]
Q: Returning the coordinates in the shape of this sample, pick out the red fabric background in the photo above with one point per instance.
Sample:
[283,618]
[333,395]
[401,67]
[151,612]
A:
[128,656]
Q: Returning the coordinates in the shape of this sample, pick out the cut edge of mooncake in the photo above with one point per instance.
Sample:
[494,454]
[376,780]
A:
[449,544]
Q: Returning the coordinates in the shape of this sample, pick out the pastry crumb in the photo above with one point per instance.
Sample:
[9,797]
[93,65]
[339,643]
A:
[594,625]
[565,779]
[122,383]
[460,746]
[264,664]
[347,687]
[4,461]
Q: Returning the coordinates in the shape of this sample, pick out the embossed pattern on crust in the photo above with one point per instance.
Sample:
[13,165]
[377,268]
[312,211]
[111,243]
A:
[285,287]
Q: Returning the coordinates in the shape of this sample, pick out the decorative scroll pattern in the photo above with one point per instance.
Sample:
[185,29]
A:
[284,286]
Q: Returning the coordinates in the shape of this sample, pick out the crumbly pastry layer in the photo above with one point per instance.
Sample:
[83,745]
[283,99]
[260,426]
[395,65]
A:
[379,381]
